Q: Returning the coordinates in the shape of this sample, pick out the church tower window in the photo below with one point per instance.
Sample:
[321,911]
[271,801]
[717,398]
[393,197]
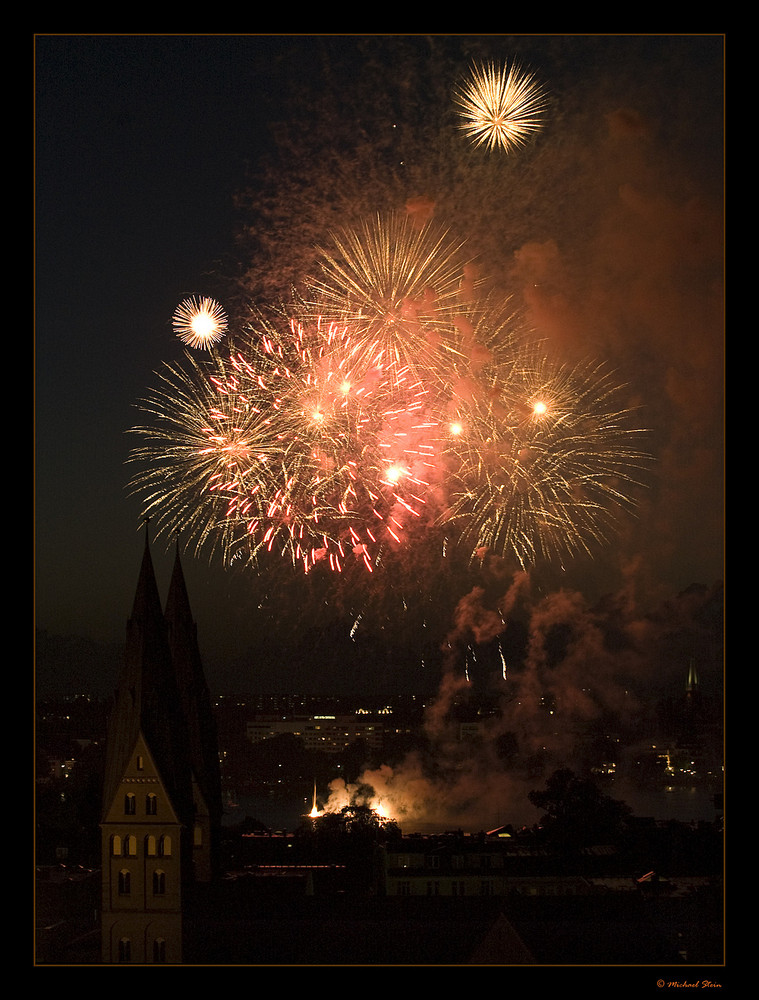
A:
[125,882]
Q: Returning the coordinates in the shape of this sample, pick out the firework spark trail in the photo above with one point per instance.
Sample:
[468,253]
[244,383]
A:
[501,108]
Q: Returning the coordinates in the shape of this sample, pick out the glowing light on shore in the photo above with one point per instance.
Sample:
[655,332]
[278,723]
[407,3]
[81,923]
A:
[315,813]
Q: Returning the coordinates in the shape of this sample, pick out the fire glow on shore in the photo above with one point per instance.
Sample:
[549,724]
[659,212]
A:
[340,799]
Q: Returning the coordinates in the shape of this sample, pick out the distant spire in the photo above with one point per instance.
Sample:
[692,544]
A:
[691,685]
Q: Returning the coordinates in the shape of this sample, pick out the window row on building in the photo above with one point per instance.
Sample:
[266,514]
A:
[125,950]
[130,804]
[155,847]
[498,886]
[158,882]
[447,861]
[445,887]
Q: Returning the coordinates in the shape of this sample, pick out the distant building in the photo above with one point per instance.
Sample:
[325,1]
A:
[328,733]
[470,866]
[162,796]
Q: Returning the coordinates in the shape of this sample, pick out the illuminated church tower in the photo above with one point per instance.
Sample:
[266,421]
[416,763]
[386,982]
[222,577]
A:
[161,797]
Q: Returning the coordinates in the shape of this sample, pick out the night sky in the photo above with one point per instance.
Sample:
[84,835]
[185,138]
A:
[170,166]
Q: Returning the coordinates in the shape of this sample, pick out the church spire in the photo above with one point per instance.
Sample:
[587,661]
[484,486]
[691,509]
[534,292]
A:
[147,700]
[195,700]
[178,613]
[691,685]
[147,603]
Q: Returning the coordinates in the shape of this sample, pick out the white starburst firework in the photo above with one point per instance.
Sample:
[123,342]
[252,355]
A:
[199,322]
[500,107]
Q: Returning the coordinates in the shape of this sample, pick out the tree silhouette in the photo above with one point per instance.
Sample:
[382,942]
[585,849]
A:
[577,814]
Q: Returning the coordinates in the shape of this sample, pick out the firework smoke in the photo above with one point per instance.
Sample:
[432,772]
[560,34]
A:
[585,673]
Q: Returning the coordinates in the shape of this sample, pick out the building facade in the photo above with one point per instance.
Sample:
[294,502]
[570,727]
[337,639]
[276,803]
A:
[161,796]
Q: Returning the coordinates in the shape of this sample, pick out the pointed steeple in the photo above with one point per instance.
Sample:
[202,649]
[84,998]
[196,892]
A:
[147,602]
[194,696]
[178,612]
[147,699]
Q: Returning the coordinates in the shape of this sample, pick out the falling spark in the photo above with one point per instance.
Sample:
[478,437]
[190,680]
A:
[504,672]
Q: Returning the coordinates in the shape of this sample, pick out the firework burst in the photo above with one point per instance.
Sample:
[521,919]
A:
[207,442]
[287,446]
[199,322]
[301,443]
[500,107]
[544,463]
[398,287]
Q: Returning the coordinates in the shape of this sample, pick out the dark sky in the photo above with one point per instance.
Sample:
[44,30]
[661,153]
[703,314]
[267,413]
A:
[608,229]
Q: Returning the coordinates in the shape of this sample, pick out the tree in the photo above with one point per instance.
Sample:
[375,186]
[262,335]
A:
[577,814]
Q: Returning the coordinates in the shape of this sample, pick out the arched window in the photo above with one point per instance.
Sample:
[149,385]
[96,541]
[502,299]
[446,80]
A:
[159,950]
[125,882]
[151,846]
[115,846]
[151,804]
[125,950]
[165,846]
[130,846]
[130,804]
[159,882]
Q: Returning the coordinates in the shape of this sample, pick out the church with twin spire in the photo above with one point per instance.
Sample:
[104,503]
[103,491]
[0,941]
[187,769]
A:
[161,815]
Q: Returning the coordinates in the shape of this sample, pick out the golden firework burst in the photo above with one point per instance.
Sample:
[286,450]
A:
[500,107]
